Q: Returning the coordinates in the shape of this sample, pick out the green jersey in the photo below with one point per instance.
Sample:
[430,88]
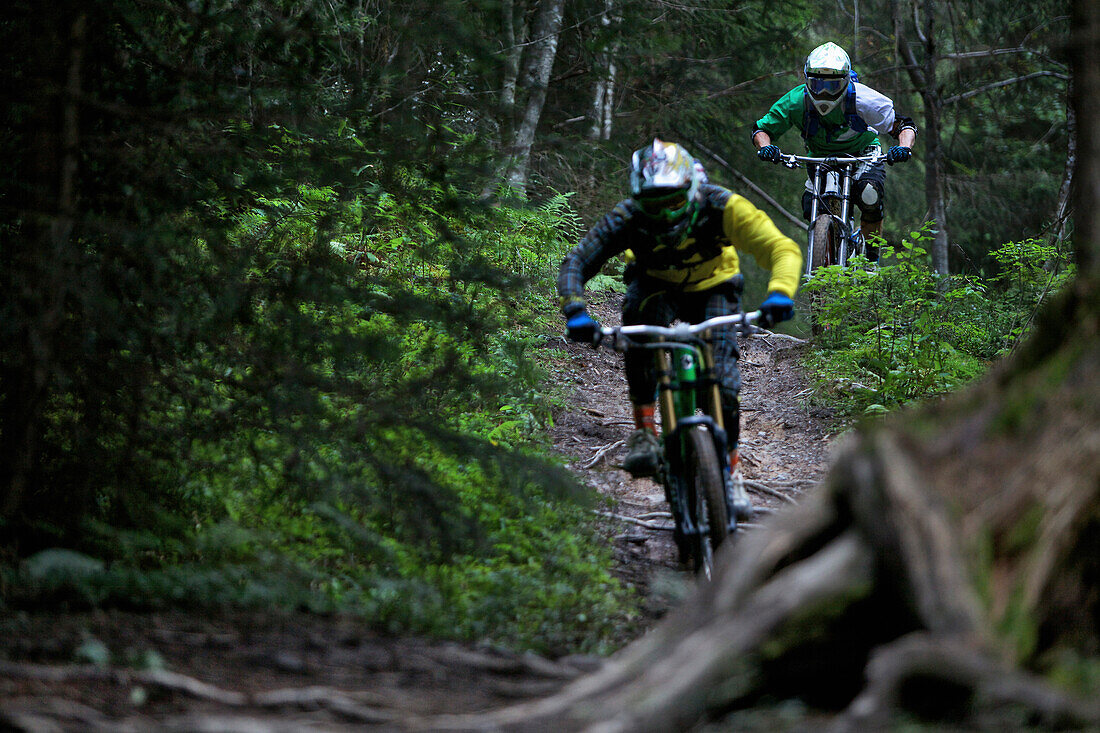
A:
[834,134]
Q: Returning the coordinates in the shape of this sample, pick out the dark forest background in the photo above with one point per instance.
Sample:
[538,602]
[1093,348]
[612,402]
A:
[276,274]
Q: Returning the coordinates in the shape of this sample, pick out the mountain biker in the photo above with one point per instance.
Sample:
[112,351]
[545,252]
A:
[683,234]
[837,115]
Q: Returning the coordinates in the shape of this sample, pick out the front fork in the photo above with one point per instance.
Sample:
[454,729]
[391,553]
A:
[679,386]
[845,211]
[814,199]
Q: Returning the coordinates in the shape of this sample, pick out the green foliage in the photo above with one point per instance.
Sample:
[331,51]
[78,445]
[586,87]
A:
[275,350]
[1072,670]
[899,333]
[263,340]
[367,438]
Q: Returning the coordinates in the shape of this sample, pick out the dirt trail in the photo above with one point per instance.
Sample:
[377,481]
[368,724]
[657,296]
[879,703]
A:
[302,672]
[783,448]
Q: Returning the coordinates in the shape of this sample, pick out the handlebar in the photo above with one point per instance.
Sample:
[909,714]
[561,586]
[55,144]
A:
[796,161]
[679,333]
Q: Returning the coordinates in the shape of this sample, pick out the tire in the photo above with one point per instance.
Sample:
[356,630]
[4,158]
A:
[824,253]
[706,500]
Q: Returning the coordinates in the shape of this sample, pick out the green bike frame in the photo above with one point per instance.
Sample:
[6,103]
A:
[695,446]
[685,382]
[685,378]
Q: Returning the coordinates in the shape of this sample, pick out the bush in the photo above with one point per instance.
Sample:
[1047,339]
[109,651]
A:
[899,332]
[365,435]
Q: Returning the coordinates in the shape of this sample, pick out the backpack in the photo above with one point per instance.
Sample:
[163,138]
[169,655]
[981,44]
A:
[811,120]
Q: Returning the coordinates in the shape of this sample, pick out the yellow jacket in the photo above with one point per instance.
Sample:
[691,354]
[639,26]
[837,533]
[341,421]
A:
[698,254]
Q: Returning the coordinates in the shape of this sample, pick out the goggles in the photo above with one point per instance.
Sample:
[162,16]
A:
[664,204]
[827,87]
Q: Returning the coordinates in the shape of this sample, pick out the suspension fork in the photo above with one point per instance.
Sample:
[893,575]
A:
[845,214]
[664,390]
[713,402]
[701,373]
[713,396]
[814,199]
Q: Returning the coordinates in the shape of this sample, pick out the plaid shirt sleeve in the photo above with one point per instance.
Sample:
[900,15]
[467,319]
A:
[601,243]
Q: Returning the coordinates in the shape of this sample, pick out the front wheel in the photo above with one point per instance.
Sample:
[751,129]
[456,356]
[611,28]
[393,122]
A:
[824,253]
[825,243]
[706,500]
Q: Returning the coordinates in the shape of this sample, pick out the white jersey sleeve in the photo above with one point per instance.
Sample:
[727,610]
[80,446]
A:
[876,109]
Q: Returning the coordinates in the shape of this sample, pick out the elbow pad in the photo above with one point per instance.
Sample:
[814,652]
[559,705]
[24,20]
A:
[903,123]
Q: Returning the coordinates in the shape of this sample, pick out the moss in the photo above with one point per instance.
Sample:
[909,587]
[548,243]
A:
[1072,671]
[1025,532]
[819,654]
[812,622]
[741,676]
[1052,329]
[981,566]
[1022,406]
[1018,627]
[1015,413]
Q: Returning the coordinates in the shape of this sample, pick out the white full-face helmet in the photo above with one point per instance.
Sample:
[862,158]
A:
[664,181]
[827,72]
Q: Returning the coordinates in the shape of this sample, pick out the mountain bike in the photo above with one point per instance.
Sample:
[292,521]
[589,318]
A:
[694,447]
[833,235]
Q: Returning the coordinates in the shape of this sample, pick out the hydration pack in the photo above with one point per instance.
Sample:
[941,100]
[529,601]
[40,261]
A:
[812,122]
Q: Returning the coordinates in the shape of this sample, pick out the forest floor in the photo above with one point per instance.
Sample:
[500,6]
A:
[293,672]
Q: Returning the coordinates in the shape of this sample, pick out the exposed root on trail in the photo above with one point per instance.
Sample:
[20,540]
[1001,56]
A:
[859,593]
[946,676]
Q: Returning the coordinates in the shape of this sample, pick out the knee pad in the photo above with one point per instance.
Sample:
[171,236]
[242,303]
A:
[867,195]
[807,201]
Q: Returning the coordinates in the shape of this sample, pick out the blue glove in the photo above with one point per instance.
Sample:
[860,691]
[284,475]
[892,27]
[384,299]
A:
[898,154]
[581,327]
[769,153]
[777,307]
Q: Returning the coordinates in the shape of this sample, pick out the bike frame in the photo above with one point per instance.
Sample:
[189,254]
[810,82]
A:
[685,382]
[832,190]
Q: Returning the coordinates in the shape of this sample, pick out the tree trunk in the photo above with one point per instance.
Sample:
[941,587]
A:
[45,255]
[1062,209]
[923,77]
[511,29]
[534,81]
[604,85]
[1086,90]
[855,34]
[950,554]
[935,174]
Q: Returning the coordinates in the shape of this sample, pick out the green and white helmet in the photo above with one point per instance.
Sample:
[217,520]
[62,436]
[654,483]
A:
[664,181]
[828,70]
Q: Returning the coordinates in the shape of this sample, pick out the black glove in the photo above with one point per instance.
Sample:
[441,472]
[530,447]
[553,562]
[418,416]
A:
[581,327]
[769,153]
[898,154]
[777,307]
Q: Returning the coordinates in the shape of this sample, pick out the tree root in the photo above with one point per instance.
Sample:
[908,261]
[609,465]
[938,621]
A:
[760,487]
[979,688]
[310,697]
[601,452]
[669,678]
[870,543]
